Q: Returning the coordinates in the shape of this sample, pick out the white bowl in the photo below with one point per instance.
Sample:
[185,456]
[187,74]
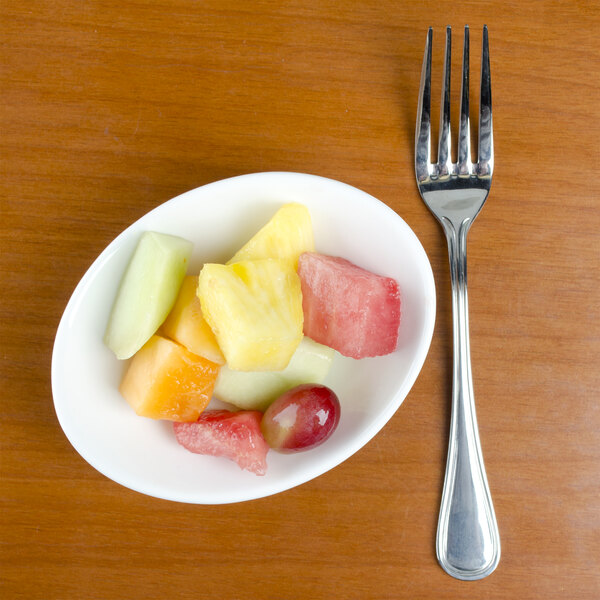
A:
[141,453]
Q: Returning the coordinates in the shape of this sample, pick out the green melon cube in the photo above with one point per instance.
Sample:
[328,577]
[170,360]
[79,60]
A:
[147,291]
[255,390]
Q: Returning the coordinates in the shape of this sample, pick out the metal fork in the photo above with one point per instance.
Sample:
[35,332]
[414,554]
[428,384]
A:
[468,543]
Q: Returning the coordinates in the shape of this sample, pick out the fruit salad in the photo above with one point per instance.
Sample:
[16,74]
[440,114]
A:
[258,333]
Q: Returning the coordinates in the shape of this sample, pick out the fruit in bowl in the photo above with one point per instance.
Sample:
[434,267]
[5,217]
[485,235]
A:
[351,309]
[301,418]
[147,291]
[254,308]
[186,324]
[286,236]
[233,435]
[219,219]
[256,390]
[250,315]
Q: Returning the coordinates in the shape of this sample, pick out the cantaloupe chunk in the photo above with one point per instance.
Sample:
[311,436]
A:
[286,236]
[164,380]
[254,308]
[187,326]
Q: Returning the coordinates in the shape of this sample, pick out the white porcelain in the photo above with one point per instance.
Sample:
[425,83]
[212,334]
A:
[141,453]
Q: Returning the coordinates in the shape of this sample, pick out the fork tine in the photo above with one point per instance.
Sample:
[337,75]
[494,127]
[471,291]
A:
[423,131]
[464,128]
[444,144]
[485,158]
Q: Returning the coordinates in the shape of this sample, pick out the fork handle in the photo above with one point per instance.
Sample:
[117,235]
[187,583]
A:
[468,543]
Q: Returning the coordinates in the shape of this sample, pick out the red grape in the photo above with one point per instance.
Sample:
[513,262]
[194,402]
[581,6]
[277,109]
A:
[302,418]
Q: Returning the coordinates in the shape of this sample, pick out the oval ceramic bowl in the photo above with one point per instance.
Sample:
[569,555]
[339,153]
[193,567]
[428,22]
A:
[218,218]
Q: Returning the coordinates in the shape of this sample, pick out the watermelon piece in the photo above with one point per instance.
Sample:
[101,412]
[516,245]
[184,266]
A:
[348,308]
[233,435]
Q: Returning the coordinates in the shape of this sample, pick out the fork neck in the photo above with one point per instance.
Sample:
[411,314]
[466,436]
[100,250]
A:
[456,235]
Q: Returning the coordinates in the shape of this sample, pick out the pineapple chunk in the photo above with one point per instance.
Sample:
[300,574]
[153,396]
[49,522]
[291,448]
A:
[255,311]
[287,235]
[186,325]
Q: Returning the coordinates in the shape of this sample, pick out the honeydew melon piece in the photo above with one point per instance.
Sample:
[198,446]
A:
[187,326]
[286,236]
[256,390]
[147,291]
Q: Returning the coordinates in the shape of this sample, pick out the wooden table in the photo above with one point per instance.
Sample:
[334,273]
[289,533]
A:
[111,108]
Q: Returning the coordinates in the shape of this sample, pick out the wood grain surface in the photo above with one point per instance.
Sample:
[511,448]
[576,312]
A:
[108,109]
